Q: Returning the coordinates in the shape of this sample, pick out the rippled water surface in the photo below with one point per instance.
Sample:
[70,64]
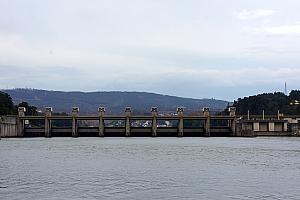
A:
[150,168]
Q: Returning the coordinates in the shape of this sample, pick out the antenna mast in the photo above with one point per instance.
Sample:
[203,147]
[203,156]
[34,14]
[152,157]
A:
[285,89]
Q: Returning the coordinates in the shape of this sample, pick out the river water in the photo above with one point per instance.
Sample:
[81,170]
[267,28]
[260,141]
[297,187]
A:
[150,168]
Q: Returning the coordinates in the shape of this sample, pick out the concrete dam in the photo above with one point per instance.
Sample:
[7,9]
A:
[154,125]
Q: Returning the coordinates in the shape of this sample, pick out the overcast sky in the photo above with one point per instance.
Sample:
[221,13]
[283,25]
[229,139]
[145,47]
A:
[221,49]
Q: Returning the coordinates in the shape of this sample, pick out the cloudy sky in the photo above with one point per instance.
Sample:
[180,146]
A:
[191,48]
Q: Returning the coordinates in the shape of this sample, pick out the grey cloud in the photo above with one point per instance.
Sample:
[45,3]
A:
[192,48]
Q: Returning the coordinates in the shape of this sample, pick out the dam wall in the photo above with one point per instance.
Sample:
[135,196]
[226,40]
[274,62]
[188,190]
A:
[8,126]
[154,125]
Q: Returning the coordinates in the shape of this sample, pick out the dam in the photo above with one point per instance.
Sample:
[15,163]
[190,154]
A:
[154,125]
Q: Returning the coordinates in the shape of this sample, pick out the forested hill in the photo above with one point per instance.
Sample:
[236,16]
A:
[115,102]
[270,102]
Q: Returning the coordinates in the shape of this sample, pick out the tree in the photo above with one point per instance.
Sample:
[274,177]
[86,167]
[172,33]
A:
[6,104]
[270,102]
[30,110]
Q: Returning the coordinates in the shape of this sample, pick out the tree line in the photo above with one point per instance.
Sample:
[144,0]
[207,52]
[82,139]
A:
[270,103]
[7,106]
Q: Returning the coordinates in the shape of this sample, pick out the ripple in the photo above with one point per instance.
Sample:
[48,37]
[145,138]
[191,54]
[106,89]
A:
[149,168]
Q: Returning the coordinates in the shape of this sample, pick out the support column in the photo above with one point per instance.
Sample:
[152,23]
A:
[180,124]
[271,127]
[285,126]
[206,114]
[256,126]
[127,124]
[20,122]
[101,111]
[248,115]
[48,113]
[75,111]
[154,121]
[232,113]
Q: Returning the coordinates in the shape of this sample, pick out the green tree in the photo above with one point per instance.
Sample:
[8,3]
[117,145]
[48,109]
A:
[6,104]
[270,102]
[30,110]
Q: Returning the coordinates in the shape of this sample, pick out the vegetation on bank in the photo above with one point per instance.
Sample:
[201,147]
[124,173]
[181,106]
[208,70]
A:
[270,103]
[7,106]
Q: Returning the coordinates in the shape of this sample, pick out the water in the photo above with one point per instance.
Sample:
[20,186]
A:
[150,168]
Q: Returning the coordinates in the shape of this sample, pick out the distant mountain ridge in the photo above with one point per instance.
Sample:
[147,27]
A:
[114,101]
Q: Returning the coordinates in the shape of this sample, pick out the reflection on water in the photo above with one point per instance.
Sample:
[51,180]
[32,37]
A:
[150,168]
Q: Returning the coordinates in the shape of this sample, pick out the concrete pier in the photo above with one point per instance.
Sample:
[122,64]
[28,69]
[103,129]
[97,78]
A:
[154,121]
[232,122]
[271,126]
[9,127]
[256,126]
[180,111]
[206,114]
[127,123]
[20,122]
[101,111]
[48,113]
[75,112]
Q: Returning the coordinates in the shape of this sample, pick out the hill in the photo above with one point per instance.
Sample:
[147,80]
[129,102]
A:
[114,102]
[270,102]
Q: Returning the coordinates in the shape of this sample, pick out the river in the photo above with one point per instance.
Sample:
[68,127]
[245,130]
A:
[149,168]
